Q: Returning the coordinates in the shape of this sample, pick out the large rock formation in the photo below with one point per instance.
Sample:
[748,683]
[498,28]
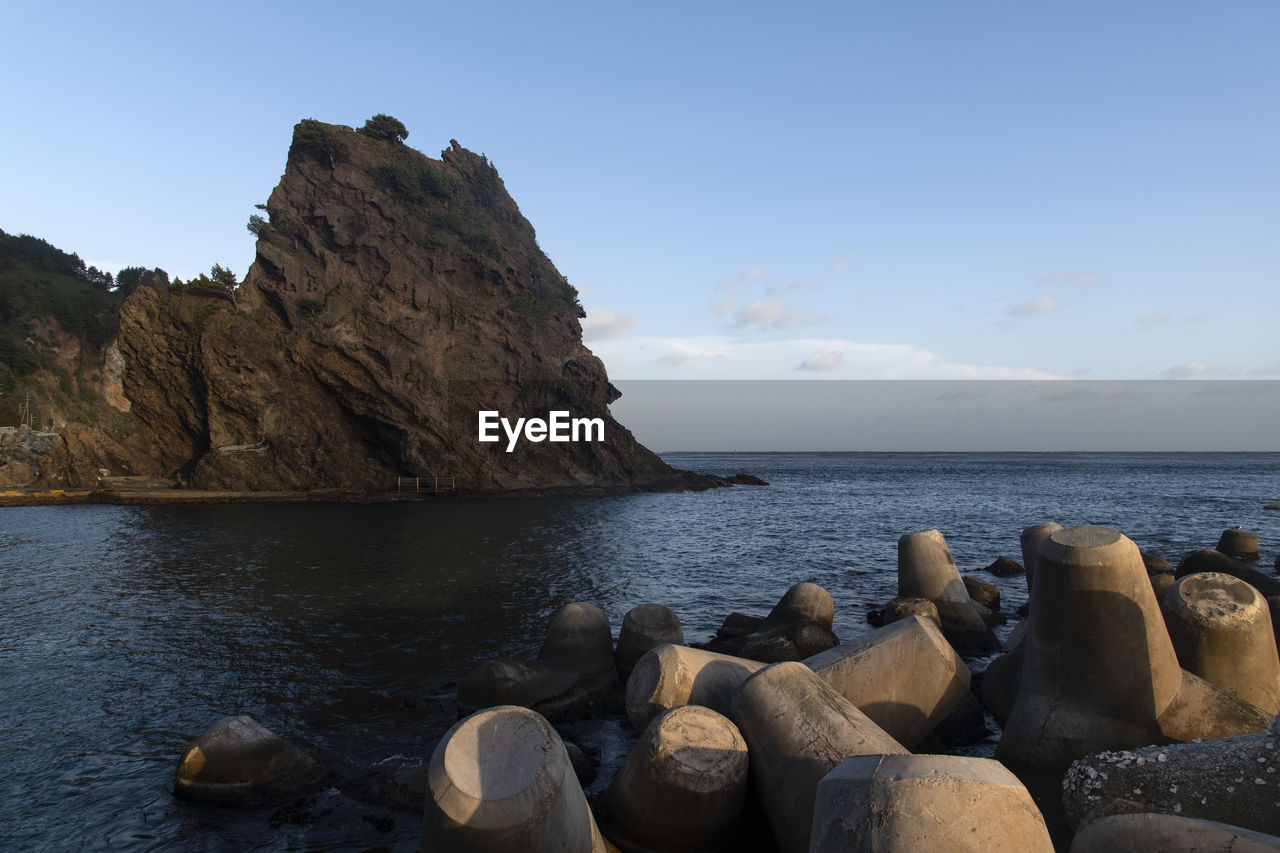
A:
[393,298]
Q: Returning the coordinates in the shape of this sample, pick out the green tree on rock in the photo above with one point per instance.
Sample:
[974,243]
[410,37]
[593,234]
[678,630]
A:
[385,127]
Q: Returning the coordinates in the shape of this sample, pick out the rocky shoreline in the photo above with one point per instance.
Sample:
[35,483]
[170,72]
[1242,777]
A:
[1130,699]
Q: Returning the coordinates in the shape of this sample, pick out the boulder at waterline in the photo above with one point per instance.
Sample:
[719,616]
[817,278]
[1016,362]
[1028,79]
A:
[682,787]
[981,592]
[904,606]
[238,762]
[909,803]
[1006,568]
[501,782]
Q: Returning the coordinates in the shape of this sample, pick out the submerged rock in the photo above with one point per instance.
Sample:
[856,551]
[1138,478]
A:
[238,762]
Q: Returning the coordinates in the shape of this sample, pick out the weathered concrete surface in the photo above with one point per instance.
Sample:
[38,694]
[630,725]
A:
[1239,543]
[1030,540]
[501,782]
[909,803]
[1221,630]
[667,676]
[238,762]
[905,677]
[574,667]
[1204,710]
[1161,833]
[1099,668]
[797,729]
[683,785]
[1233,780]
[644,627]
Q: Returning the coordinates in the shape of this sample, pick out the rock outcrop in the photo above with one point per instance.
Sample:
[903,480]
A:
[393,298]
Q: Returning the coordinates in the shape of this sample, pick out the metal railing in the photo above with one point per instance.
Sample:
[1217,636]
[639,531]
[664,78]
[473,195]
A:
[425,484]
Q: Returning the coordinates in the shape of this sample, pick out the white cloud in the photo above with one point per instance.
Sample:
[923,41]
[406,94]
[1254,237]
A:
[601,324]
[1044,305]
[770,314]
[1152,320]
[822,361]
[725,357]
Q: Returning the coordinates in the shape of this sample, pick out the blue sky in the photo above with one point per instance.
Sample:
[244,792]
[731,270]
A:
[739,190]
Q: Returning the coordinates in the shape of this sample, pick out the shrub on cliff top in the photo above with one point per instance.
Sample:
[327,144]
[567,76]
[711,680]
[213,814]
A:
[316,139]
[385,127]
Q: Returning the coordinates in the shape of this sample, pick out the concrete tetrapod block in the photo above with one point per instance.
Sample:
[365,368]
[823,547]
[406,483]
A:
[238,762]
[1160,585]
[926,569]
[804,602]
[1098,666]
[575,666]
[1030,540]
[579,639]
[797,728]
[905,677]
[500,780]
[1001,683]
[667,676]
[1161,833]
[644,627]
[909,803]
[1221,630]
[682,786]
[1212,560]
[1239,543]
[1233,780]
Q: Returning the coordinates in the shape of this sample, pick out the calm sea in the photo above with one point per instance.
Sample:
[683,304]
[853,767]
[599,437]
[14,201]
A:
[124,631]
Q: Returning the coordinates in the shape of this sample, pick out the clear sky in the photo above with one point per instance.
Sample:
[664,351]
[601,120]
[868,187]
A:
[739,190]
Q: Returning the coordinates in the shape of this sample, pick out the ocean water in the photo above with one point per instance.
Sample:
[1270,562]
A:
[126,631]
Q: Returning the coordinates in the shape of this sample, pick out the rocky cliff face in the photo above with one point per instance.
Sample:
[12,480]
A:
[393,297]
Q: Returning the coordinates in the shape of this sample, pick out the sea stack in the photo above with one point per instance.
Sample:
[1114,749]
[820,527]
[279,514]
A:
[394,298]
